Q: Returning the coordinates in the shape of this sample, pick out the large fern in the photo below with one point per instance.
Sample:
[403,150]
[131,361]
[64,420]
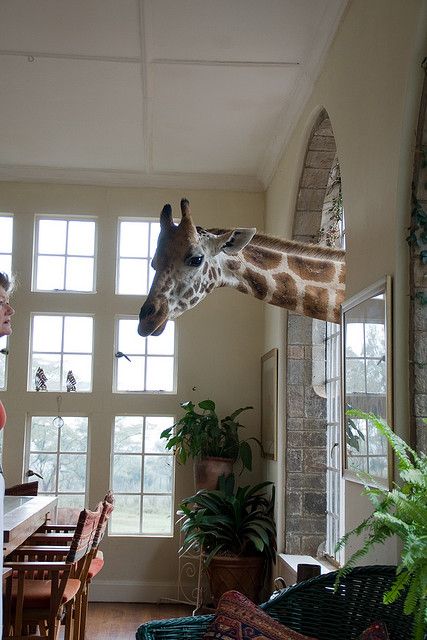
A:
[400,511]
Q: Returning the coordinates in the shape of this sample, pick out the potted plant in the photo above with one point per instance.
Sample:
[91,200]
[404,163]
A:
[236,532]
[212,442]
[401,511]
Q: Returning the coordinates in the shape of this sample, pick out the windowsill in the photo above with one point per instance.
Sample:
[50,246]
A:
[287,566]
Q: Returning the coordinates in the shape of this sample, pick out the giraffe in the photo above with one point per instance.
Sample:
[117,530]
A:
[190,262]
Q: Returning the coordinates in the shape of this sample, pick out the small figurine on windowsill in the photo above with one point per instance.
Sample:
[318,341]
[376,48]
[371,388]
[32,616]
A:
[71,382]
[40,380]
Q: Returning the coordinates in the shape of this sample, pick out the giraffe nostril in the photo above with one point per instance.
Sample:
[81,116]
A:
[147,310]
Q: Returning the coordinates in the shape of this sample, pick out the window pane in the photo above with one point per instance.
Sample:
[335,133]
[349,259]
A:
[128,434]
[354,339]
[6,263]
[153,428]
[69,507]
[52,236]
[74,434]
[130,375]
[129,340]
[160,374]
[81,238]
[126,516]
[6,230]
[164,344]
[127,473]
[47,333]
[51,365]
[156,517]
[158,474]
[78,334]
[45,464]
[72,472]
[376,377]
[355,382]
[44,434]
[132,276]
[133,239]
[81,367]
[79,274]
[154,236]
[50,272]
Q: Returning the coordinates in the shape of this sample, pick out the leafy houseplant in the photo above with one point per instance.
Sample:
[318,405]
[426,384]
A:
[232,526]
[203,434]
[401,511]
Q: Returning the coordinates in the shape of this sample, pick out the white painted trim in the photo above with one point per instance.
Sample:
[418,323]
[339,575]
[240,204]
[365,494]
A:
[288,563]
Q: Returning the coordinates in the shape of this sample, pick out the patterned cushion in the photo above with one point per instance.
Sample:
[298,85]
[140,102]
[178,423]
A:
[376,631]
[238,618]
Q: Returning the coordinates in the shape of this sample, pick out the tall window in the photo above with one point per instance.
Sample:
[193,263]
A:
[144,364]
[6,238]
[57,452]
[61,346]
[142,477]
[136,247]
[64,257]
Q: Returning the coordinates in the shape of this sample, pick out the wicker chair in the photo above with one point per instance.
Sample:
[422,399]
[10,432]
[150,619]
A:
[314,609]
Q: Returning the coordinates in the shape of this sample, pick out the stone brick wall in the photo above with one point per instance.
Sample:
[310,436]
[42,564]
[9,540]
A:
[418,286]
[305,501]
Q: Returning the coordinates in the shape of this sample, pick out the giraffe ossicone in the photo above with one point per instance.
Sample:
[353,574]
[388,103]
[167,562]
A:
[190,262]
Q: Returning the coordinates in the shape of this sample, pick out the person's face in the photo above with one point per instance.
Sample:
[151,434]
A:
[6,313]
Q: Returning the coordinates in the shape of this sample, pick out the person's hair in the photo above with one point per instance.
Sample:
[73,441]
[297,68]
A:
[5,281]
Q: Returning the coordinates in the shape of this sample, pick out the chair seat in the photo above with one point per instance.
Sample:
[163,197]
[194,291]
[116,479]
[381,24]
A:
[96,565]
[37,593]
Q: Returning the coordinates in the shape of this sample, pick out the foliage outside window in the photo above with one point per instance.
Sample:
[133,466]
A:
[137,243]
[142,477]
[144,364]
[64,257]
[60,344]
[59,455]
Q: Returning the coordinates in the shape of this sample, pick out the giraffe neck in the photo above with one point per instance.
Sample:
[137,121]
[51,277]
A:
[307,279]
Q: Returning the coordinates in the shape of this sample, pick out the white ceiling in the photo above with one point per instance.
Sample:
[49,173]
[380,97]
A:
[185,93]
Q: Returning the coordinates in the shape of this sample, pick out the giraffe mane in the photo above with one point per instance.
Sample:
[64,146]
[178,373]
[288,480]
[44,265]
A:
[291,246]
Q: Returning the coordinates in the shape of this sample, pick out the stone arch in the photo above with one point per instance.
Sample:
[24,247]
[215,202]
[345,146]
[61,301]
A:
[305,448]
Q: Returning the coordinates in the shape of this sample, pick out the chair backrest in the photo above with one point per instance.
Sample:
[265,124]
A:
[106,511]
[24,489]
[84,534]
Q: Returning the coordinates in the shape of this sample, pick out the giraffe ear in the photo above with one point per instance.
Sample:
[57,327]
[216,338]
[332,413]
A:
[234,241]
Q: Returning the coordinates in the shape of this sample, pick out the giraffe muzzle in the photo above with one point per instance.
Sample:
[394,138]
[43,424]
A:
[151,321]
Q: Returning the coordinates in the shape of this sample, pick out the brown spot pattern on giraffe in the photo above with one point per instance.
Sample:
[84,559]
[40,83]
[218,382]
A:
[265,259]
[315,302]
[188,293]
[205,268]
[194,300]
[310,269]
[286,293]
[233,265]
[257,282]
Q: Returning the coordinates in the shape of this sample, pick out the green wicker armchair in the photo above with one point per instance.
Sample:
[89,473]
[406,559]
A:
[314,609]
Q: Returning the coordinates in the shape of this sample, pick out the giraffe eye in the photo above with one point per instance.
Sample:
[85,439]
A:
[195,261]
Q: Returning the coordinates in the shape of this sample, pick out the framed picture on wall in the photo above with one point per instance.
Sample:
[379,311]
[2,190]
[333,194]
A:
[269,363]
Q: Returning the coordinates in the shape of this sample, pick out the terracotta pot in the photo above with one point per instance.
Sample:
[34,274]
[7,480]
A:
[247,575]
[208,470]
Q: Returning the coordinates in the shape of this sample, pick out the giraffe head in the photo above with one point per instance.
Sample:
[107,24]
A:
[187,263]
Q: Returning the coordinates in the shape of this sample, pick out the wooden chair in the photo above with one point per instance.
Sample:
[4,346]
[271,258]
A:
[24,489]
[57,535]
[46,581]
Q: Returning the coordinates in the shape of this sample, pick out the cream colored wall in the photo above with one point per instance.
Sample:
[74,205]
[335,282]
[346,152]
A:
[219,348]
[370,86]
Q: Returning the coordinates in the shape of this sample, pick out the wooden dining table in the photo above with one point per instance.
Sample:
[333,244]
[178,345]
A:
[23,515]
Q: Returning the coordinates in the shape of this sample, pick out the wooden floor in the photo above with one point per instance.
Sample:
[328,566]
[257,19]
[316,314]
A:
[119,620]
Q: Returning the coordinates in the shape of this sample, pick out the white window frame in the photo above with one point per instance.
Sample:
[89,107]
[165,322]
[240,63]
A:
[119,317]
[63,314]
[141,494]
[149,257]
[66,218]
[28,451]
